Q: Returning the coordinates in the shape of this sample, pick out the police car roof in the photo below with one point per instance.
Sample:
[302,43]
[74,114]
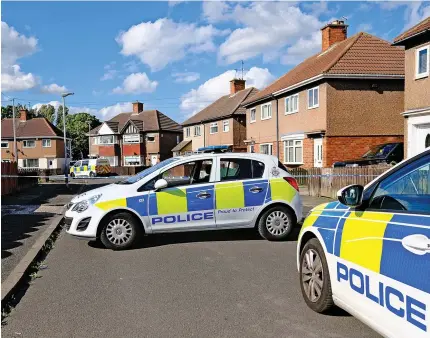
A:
[228,154]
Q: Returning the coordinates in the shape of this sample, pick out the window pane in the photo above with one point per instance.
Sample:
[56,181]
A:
[290,154]
[315,96]
[299,154]
[269,110]
[257,169]
[235,169]
[290,143]
[287,105]
[422,61]
[179,175]
[310,98]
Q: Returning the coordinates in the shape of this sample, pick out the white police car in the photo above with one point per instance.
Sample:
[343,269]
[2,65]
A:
[198,192]
[370,253]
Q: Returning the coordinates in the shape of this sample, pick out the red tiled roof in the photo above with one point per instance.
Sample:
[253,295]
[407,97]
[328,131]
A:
[35,127]
[361,54]
[417,29]
[226,105]
[150,120]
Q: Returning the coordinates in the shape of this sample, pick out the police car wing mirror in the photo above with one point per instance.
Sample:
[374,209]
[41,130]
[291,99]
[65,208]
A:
[352,195]
[160,184]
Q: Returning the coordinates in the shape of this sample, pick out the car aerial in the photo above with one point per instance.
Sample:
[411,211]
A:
[369,253]
[387,153]
[189,193]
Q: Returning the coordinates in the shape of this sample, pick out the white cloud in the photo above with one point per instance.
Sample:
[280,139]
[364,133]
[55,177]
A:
[109,75]
[265,30]
[415,11]
[53,88]
[164,41]
[196,99]
[173,3]
[186,77]
[365,27]
[216,11]
[302,49]
[15,46]
[136,83]
[131,66]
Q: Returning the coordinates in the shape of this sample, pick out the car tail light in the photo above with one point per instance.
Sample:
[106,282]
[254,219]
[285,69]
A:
[292,182]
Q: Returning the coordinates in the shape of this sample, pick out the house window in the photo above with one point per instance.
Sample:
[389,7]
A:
[29,143]
[225,126]
[214,128]
[251,148]
[112,160]
[46,143]
[4,144]
[107,139]
[253,114]
[150,139]
[187,132]
[133,161]
[292,104]
[132,138]
[313,98]
[266,111]
[31,163]
[293,151]
[422,62]
[197,131]
[266,148]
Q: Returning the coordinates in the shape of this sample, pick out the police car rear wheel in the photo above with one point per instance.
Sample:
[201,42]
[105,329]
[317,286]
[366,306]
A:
[315,278]
[275,224]
[72,175]
[119,231]
[92,174]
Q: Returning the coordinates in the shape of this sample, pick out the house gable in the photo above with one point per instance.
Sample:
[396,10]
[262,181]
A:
[105,130]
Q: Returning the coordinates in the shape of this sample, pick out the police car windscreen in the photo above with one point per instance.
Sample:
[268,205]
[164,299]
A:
[147,171]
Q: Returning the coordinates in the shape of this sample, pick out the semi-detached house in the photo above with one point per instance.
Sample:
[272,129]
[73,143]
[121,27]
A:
[137,138]
[222,123]
[334,105]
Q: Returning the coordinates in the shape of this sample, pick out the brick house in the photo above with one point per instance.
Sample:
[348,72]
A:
[417,86]
[221,123]
[39,143]
[141,137]
[334,105]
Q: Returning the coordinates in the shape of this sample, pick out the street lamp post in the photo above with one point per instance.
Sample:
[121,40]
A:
[66,174]
[89,138]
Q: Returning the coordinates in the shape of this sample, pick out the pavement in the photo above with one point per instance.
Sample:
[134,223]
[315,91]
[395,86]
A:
[203,284]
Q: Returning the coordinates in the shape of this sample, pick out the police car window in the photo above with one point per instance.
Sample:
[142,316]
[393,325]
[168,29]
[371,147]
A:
[235,169]
[257,169]
[78,164]
[85,162]
[408,189]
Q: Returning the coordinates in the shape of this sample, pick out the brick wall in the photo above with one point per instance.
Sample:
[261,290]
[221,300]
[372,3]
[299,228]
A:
[350,147]
[133,149]
[109,150]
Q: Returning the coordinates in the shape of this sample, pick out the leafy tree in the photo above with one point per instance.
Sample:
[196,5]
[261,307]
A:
[60,116]
[47,111]
[76,129]
[7,112]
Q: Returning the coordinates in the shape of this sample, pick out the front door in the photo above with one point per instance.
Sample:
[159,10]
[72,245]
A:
[318,153]
[188,201]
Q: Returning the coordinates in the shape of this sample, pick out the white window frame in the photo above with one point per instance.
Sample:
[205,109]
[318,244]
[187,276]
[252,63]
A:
[313,106]
[269,116]
[25,161]
[24,142]
[5,142]
[213,125]
[114,159]
[289,99]
[251,148]
[294,146]
[270,148]
[225,123]
[133,138]
[197,131]
[187,132]
[103,143]
[45,140]
[417,53]
[141,160]
[147,139]
[253,111]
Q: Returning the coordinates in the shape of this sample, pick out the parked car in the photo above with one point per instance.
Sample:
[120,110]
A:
[188,193]
[389,153]
[90,167]
[369,253]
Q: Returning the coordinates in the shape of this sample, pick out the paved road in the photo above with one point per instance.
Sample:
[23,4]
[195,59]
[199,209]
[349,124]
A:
[208,284]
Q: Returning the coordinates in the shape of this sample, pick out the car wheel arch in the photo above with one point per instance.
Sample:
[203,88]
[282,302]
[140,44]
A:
[117,211]
[305,237]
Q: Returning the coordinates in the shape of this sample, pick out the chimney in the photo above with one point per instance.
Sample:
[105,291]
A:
[137,107]
[332,33]
[23,115]
[236,85]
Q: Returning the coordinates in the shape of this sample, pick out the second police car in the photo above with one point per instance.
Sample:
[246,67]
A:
[369,253]
[197,192]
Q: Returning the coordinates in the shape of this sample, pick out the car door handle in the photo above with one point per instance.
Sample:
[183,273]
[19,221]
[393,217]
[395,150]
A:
[417,244]
[203,195]
[255,190]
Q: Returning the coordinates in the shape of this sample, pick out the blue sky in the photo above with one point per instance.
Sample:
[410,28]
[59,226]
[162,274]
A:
[176,57]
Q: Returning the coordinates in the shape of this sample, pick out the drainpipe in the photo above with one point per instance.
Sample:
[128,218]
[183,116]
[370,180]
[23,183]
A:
[277,125]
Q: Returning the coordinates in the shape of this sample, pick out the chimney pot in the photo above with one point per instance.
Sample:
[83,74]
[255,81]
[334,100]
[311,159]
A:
[137,107]
[236,85]
[23,115]
[332,33]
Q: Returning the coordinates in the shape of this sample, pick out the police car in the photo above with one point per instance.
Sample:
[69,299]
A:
[188,193]
[369,253]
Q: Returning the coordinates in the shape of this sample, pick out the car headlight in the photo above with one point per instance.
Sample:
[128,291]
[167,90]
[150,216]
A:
[83,205]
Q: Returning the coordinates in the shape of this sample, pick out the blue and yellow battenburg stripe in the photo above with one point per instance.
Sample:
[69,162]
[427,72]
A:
[99,169]
[373,240]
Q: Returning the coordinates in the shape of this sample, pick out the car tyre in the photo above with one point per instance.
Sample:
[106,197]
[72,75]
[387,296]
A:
[315,278]
[92,174]
[276,223]
[72,175]
[119,231]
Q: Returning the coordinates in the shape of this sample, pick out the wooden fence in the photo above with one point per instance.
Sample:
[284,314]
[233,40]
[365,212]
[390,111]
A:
[11,185]
[327,181]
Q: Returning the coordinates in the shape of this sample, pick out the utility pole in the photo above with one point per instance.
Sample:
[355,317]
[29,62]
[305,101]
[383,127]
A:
[15,149]
[66,167]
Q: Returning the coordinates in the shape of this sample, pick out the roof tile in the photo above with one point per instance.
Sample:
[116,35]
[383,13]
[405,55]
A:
[418,28]
[35,127]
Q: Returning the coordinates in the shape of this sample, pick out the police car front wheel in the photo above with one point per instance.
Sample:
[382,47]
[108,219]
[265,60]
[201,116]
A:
[276,223]
[119,231]
[315,278]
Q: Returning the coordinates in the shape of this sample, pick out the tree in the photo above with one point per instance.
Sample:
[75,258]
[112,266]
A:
[47,111]
[7,112]
[77,128]
[60,116]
